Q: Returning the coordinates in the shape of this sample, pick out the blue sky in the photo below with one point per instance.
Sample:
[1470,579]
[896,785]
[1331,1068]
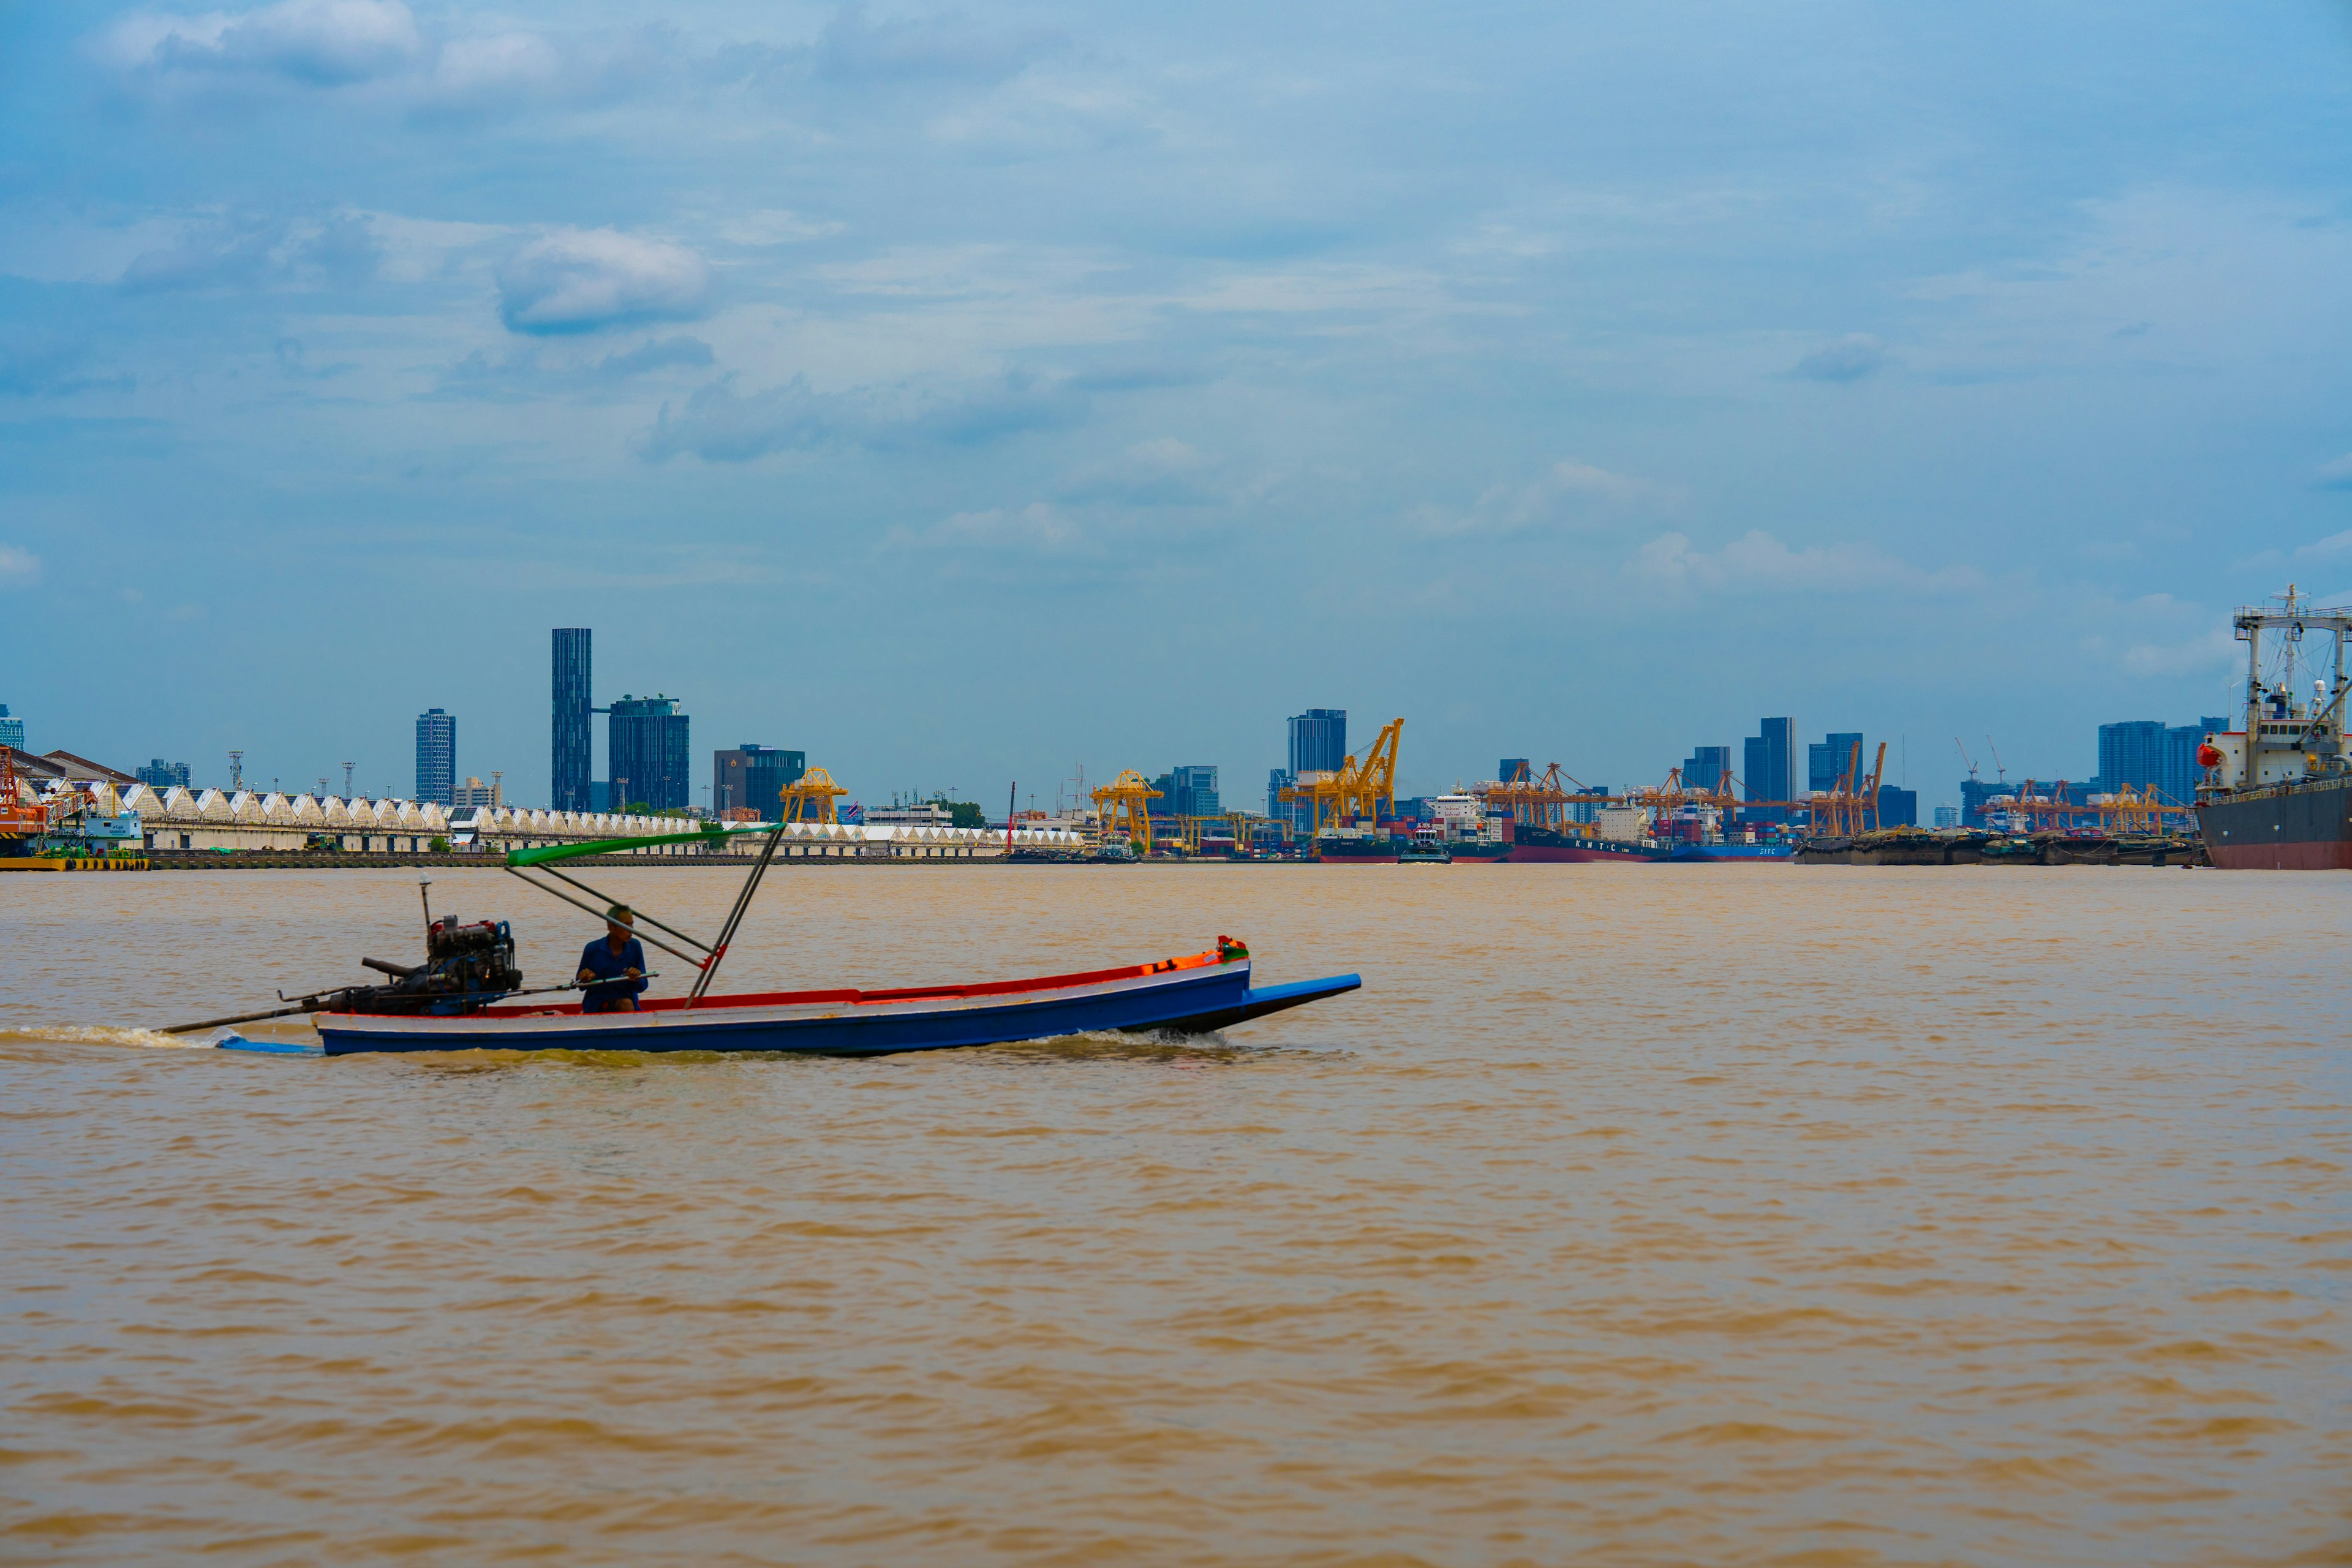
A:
[960,394]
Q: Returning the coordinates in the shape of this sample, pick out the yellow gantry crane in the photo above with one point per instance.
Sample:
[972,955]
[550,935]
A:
[1356,792]
[810,797]
[1126,801]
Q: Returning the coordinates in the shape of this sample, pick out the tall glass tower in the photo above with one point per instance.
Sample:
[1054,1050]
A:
[646,747]
[569,768]
[436,757]
[1318,741]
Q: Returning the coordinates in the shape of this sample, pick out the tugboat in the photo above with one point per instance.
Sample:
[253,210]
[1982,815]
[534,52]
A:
[1427,848]
[2278,792]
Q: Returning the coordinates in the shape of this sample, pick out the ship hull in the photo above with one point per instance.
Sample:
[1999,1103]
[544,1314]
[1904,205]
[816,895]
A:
[1590,851]
[1738,854]
[2302,826]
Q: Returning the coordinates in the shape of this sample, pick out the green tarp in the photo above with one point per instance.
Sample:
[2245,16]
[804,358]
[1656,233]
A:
[713,836]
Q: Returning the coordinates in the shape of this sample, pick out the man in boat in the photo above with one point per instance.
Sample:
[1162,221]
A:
[612,968]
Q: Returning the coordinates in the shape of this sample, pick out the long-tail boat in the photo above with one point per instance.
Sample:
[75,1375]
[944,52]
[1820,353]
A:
[468,994]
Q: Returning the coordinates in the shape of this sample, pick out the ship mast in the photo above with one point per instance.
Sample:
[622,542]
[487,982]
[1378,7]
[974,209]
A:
[2293,617]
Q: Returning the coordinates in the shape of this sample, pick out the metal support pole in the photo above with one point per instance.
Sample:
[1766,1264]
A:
[735,916]
[593,910]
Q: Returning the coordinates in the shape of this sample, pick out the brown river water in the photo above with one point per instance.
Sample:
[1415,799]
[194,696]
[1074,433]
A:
[1628,1214]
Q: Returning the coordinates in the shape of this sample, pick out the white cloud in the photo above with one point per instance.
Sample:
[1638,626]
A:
[1569,495]
[323,43]
[1036,529]
[2336,474]
[577,280]
[1758,562]
[2210,649]
[1851,358]
[1165,472]
[19,568]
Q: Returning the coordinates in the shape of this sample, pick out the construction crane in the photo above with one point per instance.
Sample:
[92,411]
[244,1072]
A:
[1125,802]
[1971,760]
[1996,758]
[1357,792]
[810,797]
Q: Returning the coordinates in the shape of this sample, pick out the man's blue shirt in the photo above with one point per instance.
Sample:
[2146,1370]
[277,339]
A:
[610,967]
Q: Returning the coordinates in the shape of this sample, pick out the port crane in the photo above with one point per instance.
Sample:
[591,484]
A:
[1126,803]
[810,797]
[1359,790]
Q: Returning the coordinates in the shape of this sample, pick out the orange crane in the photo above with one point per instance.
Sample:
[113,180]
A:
[2139,811]
[1125,802]
[810,797]
[1358,790]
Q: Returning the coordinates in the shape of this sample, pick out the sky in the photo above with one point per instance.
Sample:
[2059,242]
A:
[964,396]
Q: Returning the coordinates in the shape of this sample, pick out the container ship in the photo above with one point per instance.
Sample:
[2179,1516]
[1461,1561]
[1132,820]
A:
[2277,794]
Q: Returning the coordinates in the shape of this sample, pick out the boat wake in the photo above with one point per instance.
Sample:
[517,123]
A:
[104,1035]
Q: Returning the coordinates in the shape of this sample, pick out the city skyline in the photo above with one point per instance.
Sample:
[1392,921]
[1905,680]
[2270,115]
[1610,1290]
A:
[870,374]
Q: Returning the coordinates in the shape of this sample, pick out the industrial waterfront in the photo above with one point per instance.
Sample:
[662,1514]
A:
[1593,1232]
[1332,801]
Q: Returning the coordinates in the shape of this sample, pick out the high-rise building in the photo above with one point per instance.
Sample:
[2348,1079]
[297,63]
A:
[645,743]
[1513,770]
[1767,757]
[161,775]
[752,778]
[12,731]
[1897,808]
[1704,768]
[474,793]
[1318,741]
[1187,791]
[1297,813]
[1196,786]
[571,761]
[1947,816]
[1829,760]
[2144,755]
[436,757]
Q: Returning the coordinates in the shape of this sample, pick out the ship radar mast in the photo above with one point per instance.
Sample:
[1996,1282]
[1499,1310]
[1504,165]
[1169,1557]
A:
[2293,739]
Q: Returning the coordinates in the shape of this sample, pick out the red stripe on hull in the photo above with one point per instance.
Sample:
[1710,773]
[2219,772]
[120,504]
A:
[1553,854]
[2325,855]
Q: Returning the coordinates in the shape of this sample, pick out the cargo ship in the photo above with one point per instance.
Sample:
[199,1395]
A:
[1549,845]
[2277,794]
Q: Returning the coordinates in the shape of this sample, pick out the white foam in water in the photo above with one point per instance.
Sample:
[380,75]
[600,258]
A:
[101,1034]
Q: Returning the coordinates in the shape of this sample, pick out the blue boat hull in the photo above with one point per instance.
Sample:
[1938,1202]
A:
[847,1023]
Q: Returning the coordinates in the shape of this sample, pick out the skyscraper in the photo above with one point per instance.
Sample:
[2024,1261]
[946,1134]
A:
[1704,769]
[572,763]
[2147,755]
[12,731]
[1318,741]
[1829,759]
[1513,770]
[1767,756]
[161,775]
[436,757]
[752,778]
[1187,791]
[647,745]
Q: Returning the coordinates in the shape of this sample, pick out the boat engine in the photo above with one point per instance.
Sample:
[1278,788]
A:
[467,967]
